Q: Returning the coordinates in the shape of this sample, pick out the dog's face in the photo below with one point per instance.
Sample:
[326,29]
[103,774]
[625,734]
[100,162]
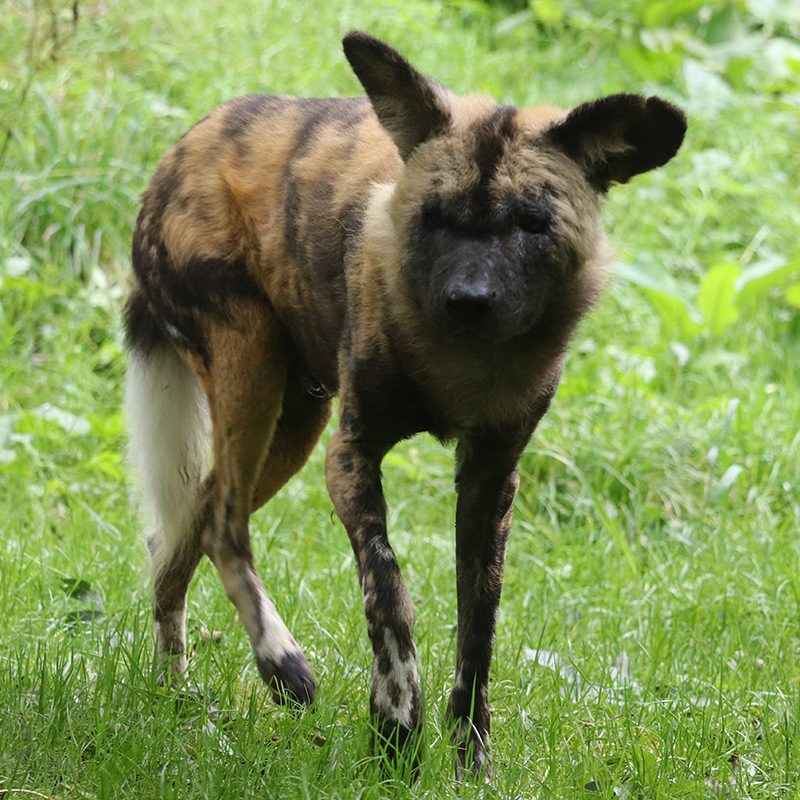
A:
[496,224]
[497,208]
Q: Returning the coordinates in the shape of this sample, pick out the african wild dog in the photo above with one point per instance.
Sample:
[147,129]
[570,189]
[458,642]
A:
[423,255]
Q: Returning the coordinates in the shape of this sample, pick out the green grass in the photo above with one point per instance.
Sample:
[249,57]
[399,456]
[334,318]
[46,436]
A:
[649,633]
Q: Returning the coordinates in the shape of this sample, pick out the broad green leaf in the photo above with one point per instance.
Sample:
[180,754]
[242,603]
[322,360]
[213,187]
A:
[648,275]
[792,295]
[651,64]
[726,25]
[738,71]
[646,765]
[716,299]
[550,12]
[666,12]
[758,279]
[675,315]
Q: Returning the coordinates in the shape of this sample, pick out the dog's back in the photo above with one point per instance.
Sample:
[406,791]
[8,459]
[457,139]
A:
[262,197]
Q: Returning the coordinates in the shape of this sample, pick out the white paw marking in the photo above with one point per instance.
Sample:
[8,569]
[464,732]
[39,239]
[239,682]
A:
[275,641]
[393,692]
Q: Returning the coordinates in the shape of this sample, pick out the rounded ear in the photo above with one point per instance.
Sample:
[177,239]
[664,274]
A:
[411,106]
[620,136]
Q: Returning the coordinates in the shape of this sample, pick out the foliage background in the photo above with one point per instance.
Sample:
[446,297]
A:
[648,642]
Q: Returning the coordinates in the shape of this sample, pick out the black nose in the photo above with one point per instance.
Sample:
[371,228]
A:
[469,303]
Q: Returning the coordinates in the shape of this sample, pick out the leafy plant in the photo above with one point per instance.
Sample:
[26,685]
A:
[724,293]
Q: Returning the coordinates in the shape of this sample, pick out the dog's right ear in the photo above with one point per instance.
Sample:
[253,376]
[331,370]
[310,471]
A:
[409,105]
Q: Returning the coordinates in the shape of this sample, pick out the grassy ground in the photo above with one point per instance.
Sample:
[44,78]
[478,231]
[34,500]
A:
[649,636]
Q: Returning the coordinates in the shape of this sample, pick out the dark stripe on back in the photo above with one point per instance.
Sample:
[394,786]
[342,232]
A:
[204,285]
[177,300]
[314,238]
[208,285]
[165,186]
[242,111]
[345,112]
[291,214]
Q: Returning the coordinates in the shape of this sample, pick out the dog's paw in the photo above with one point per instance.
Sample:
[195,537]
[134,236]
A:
[473,760]
[398,746]
[171,670]
[290,679]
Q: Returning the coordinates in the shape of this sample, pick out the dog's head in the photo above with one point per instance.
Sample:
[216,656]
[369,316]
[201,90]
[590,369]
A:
[496,207]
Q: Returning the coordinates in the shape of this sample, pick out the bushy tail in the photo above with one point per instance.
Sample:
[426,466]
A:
[168,445]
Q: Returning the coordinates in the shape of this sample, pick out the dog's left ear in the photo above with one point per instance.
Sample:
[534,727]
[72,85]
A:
[411,106]
[620,136]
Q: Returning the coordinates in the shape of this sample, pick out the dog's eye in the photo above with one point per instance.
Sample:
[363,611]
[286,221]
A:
[534,217]
[434,217]
[534,221]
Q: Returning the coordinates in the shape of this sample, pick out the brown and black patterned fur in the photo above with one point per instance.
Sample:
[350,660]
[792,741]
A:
[426,257]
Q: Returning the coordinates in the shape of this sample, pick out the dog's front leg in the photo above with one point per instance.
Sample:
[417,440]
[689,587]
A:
[352,471]
[487,479]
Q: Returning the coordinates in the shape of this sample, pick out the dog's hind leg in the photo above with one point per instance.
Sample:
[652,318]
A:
[245,383]
[301,422]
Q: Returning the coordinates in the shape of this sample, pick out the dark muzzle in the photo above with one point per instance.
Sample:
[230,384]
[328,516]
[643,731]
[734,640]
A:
[470,302]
